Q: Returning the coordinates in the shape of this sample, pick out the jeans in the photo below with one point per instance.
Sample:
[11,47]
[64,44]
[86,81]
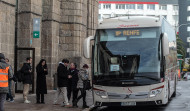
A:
[2,101]
[83,95]
[75,94]
[69,92]
[9,95]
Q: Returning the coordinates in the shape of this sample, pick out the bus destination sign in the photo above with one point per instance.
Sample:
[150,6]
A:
[127,33]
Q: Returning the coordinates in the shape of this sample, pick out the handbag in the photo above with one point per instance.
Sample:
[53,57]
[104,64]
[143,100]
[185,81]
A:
[87,85]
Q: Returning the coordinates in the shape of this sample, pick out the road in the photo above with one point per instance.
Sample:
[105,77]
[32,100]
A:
[179,103]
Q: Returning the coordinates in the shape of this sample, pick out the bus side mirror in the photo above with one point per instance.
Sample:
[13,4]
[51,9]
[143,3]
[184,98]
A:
[165,43]
[86,46]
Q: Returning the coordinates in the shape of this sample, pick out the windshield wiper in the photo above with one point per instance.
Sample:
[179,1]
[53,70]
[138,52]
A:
[148,77]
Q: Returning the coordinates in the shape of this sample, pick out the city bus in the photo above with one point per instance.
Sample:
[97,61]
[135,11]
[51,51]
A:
[134,61]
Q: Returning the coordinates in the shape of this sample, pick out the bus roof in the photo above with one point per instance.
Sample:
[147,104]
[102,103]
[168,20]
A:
[130,22]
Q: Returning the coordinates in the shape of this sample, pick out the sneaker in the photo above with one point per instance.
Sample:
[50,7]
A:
[27,102]
[12,101]
[63,105]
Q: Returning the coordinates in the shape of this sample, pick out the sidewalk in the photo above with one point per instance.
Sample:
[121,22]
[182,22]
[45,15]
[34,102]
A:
[18,104]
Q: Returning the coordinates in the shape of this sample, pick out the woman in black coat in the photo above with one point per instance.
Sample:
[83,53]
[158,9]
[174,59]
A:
[41,87]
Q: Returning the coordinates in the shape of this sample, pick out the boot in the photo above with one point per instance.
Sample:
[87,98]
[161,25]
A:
[75,104]
[37,102]
[84,105]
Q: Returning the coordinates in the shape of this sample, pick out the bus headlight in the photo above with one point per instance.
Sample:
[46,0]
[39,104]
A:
[156,91]
[101,93]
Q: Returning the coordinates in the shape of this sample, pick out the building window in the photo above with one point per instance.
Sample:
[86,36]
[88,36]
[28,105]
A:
[120,6]
[130,6]
[140,6]
[151,15]
[188,8]
[165,16]
[163,7]
[119,15]
[107,15]
[175,17]
[175,7]
[99,6]
[188,29]
[151,7]
[188,18]
[99,16]
[107,6]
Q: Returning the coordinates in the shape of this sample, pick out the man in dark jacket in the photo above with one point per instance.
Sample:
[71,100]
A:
[72,82]
[62,80]
[5,74]
[27,79]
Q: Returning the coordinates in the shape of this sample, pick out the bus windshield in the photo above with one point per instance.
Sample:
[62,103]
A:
[127,55]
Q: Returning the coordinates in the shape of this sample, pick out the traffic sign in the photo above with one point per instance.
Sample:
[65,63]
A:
[36,24]
[36,27]
[36,34]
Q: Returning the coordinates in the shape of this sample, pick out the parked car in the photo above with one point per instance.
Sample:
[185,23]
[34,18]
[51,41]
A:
[187,76]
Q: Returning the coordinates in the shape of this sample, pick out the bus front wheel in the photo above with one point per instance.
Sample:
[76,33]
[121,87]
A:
[175,84]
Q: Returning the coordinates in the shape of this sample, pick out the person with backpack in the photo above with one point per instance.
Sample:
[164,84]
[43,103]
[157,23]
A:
[27,78]
[5,74]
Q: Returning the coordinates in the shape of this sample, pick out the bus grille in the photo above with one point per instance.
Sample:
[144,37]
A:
[140,95]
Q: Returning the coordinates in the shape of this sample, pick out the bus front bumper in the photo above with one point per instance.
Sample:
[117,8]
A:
[147,103]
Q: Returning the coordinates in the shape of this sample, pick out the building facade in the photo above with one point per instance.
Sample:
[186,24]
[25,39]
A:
[7,28]
[64,24]
[184,22]
[115,8]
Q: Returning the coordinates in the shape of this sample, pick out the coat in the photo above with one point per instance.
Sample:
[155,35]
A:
[83,75]
[27,79]
[3,65]
[41,87]
[62,75]
[72,82]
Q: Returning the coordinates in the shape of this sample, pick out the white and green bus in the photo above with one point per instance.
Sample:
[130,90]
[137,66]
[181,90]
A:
[134,61]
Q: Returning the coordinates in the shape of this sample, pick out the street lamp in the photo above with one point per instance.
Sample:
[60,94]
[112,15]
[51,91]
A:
[177,27]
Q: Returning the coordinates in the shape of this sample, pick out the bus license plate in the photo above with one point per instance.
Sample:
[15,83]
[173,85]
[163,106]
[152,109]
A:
[128,103]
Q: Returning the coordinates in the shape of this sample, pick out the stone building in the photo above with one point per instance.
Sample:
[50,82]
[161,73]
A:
[7,28]
[64,24]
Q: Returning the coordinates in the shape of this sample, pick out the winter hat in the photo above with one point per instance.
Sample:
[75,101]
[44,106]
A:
[2,56]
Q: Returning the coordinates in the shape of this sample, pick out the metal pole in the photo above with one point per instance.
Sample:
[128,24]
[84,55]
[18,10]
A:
[189,51]
[16,29]
[16,46]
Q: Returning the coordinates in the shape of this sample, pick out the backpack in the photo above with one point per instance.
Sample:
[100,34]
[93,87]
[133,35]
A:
[19,75]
